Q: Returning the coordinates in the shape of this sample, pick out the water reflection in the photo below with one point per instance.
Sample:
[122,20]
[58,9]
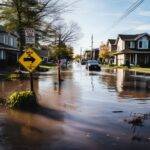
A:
[128,84]
[83,112]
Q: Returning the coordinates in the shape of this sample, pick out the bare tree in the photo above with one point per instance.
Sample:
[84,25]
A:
[67,34]
[20,14]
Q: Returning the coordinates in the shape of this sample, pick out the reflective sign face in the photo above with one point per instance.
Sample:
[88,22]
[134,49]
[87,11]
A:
[30,32]
[30,60]
[30,35]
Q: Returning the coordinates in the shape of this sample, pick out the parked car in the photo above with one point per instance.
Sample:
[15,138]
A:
[93,65]
[83,62]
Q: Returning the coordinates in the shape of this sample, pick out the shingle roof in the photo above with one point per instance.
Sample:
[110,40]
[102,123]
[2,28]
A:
[112,41]
[132,36]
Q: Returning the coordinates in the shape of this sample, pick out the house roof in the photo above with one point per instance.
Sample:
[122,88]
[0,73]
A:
[14,33]
[96,49]
[43,53]
[112,41]
[133,37]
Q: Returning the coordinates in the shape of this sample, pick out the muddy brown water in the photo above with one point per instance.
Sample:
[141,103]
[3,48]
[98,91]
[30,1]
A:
[87,111]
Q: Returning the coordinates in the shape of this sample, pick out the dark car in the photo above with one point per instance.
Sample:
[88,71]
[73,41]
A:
[83,62]
[93,65]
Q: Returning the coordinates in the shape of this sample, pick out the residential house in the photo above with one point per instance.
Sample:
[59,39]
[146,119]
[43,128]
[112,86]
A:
[8,48]
[112,47]
[133,48]
[111,44]
[44,53]
[94,54]
[87,55]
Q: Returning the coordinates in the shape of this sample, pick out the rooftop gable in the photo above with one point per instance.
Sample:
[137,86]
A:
[112,41]
[133,37]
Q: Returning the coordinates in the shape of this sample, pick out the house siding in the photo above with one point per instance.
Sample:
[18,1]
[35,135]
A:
[121,45]
[135,55]
[8,48]
[121,59]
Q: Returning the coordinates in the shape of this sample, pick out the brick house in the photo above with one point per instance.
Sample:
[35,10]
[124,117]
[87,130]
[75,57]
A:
[9,51]
[133,48]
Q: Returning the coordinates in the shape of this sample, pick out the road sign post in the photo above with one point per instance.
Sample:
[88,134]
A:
[31,82]
[30,61]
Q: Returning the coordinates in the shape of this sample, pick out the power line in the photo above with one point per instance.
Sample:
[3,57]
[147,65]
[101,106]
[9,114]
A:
[129,11]
[132,8]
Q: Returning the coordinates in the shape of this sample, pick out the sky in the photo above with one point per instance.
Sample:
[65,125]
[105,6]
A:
[97,17]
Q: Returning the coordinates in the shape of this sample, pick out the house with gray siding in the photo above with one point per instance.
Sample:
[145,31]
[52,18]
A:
[9,51]
[133,48]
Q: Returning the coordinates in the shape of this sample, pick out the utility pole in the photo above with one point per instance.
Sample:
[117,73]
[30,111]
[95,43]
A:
[80,53]
[92,42]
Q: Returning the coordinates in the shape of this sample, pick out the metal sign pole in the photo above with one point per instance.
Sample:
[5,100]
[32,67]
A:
[31,82]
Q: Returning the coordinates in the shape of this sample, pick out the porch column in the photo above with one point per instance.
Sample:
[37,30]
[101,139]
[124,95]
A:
[135,59]
[130,58]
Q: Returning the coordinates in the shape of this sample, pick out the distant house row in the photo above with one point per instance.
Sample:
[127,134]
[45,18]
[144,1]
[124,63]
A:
[94,54]
[132,48]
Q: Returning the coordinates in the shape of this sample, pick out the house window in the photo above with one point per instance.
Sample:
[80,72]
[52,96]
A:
[2,55]
[143,43]
[6,40]
[132,44]
[140,44]
[11,42]
[1,39]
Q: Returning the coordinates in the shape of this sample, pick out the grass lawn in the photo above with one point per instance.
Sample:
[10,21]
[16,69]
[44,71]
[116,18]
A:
[139,69]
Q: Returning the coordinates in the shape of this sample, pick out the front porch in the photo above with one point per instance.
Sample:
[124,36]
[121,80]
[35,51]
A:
[8,58]
[138,59]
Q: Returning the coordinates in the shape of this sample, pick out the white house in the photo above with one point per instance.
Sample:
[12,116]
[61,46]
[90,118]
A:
[133,48]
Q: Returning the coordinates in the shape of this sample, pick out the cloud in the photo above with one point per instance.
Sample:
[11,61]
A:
[111,14]
[145,13]
[144,27]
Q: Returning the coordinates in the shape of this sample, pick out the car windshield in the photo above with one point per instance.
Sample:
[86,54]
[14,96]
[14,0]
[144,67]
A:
[92,61]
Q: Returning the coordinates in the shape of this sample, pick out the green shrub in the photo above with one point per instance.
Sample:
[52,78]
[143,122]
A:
[112,65]
[22,100]
[43,69]
[2,102]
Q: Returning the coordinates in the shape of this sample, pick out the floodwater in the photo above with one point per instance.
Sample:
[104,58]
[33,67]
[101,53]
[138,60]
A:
[89,110]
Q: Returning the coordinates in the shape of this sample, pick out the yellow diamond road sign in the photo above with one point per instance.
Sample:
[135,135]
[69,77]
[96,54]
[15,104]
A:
[30,60]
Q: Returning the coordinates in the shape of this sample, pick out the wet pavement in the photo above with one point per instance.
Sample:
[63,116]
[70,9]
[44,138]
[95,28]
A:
[89,110]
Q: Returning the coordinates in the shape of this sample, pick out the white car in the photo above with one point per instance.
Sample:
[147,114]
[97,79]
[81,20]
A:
[93,65]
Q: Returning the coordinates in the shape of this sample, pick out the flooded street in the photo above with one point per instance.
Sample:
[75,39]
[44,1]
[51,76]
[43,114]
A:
[89,110]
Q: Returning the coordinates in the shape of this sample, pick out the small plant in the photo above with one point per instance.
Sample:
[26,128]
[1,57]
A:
[22,100]
[2,102]
[112,65]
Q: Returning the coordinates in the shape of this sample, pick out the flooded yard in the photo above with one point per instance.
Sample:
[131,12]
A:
[89,110]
